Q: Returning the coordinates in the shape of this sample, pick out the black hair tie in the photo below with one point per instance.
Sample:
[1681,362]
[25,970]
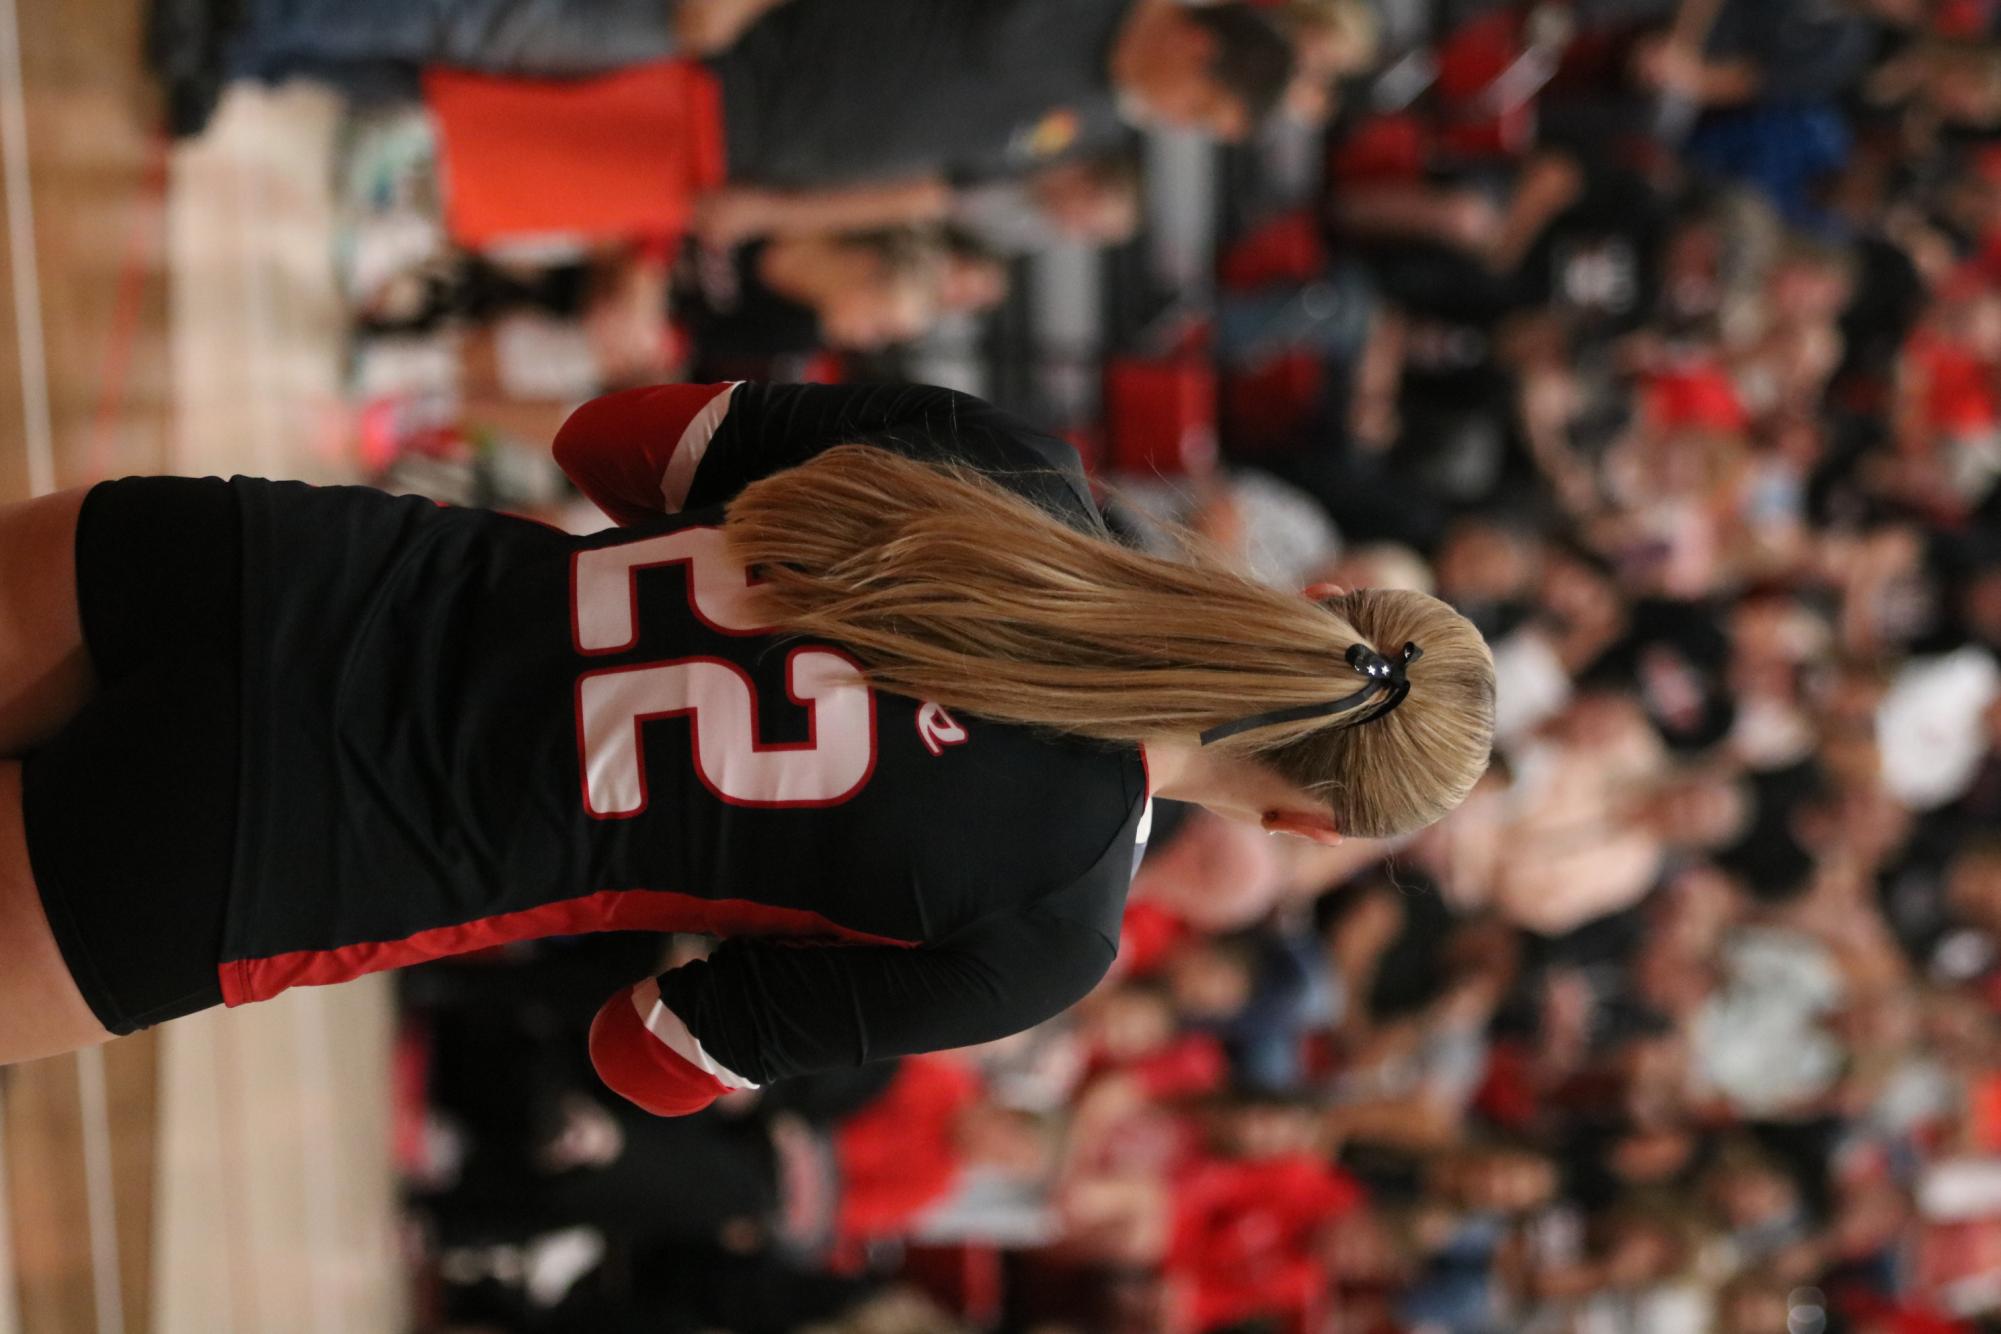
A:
[1386,677]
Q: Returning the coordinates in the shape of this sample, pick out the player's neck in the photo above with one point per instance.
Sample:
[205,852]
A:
[1236,788]
[1177,770]
[1184,770]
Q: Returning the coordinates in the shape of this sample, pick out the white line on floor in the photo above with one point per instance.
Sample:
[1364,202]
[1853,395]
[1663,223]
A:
[38,435]
[39,432]
[106,1278]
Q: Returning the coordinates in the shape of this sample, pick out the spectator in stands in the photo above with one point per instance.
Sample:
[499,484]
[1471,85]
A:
[807,114]
[759,311]
[276,39]
[795,129]
[1093,200]
[1686,1020]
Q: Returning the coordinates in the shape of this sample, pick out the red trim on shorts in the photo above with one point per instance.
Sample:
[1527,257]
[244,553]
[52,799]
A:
[246,980]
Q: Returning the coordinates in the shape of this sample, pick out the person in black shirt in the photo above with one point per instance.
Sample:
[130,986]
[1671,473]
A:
[364,43]
[817,139]
[845,115]
[983,89]
[861,684]
[820,91]
[779,301]
[748,313]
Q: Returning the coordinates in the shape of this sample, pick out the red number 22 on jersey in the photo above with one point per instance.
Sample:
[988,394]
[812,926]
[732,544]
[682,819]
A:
[716,696]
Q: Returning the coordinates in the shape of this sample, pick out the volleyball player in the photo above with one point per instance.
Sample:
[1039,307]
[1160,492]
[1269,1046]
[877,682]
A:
[860,684]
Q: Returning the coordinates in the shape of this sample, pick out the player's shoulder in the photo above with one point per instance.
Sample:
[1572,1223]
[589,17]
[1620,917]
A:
[1018,793]
[1058,817]
[984,764]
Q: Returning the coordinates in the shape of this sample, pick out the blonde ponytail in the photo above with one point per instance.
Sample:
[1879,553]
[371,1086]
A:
[953,590]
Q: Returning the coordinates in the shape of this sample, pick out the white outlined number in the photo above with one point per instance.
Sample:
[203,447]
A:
[614,704]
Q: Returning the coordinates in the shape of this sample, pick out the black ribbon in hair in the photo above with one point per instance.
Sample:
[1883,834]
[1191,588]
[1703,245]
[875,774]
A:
[1385,677]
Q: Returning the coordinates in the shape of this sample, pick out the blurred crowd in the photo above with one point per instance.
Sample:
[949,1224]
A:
[1662,337]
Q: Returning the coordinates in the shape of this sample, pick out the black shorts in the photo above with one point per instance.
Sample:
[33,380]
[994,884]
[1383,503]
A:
[131,810]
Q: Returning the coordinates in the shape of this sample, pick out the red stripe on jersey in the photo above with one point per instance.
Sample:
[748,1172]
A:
[246,980]
[635,453]
[642,1069]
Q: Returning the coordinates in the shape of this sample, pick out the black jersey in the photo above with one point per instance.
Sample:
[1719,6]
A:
[464,728]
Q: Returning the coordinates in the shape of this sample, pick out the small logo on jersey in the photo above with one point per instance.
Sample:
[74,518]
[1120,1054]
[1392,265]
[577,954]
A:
[938,729]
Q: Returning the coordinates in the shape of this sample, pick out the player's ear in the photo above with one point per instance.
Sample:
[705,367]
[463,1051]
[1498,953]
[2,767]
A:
[1313,826]
[1322,592]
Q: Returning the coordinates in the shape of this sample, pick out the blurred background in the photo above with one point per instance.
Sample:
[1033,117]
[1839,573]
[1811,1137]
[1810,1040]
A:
[1663,337]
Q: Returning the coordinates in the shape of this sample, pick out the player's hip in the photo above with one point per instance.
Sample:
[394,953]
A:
[130,810]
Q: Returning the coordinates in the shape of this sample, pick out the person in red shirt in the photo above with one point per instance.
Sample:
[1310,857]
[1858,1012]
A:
[795,130]
[904,1151]
[1251,1216]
